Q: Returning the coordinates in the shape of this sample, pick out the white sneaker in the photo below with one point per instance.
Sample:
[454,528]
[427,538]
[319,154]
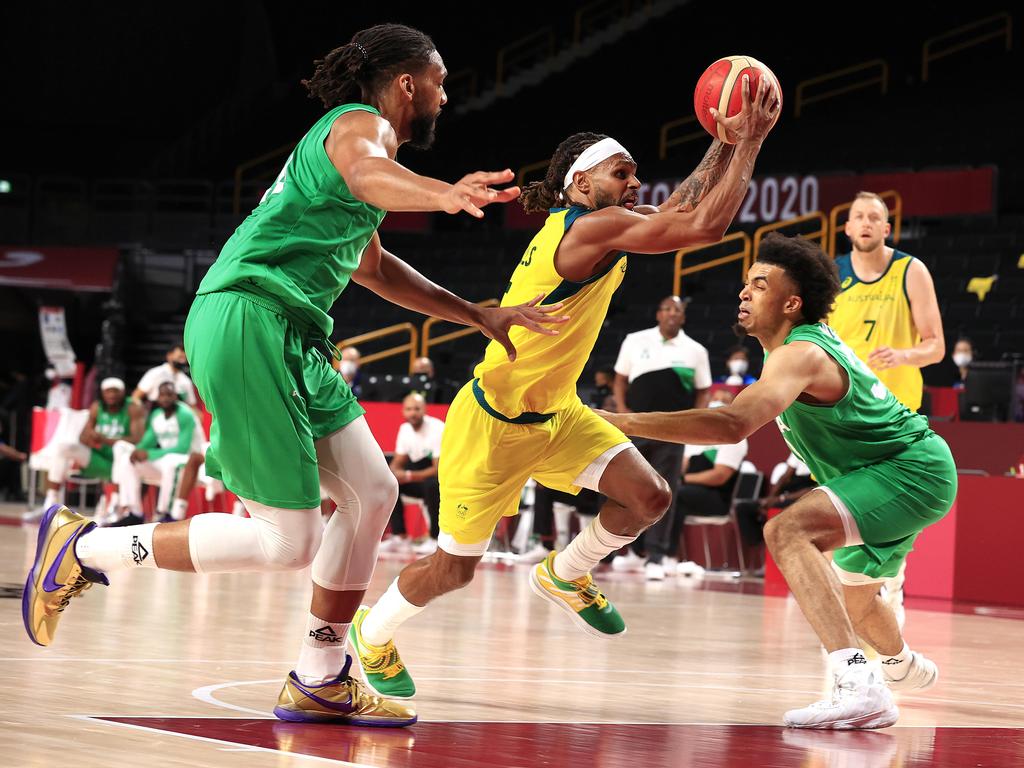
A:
[629,562]
[670,564]
[689,568]
[34,515]
[426,547]
[394,544]
[921,674]
[654,572]
[538,553]
[858,701]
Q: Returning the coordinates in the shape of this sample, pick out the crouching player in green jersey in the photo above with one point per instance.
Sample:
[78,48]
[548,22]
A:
[284,421]
[884,475]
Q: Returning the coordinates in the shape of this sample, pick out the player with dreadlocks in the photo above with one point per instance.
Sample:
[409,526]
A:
[521,419]
[284,421]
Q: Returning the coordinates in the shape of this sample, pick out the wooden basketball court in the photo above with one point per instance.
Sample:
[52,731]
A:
[183,670]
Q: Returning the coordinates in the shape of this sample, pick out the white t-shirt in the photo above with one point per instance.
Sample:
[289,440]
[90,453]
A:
[802,470]
[645,351]
[424,443]
[167,429]
[729,455]
[154,377]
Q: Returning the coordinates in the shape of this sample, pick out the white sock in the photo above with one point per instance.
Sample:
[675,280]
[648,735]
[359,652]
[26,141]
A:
[117,549]
[390,612]
[52,497]
[179,509]
[587,550]
[323,651]
[850,662]
[896,667]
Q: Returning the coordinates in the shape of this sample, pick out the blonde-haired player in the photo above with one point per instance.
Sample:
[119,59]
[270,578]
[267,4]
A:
[522,418]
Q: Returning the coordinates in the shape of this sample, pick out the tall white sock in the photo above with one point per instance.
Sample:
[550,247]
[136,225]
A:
[117,549]
[390,612]
[179,509]
[52,497]
[847,662]
[587,550]
[323,651]
[896,667]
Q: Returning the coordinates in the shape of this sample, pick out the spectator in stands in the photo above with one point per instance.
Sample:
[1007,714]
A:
[662,369]
[172,433]
[111,418]
[425,381]
[886,310]
[417,452]
[603,395]
[175,371]
[349,369]
[423,366]
[709,475]
[963,354]
[738,365]
[790,480]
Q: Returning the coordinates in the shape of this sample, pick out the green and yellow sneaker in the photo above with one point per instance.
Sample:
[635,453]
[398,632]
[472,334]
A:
[581,599]
[382,667]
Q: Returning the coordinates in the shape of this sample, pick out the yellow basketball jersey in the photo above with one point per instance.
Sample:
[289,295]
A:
[868,315]
[543,378]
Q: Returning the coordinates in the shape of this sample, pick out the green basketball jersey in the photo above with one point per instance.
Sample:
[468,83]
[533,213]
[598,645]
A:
[113,425]
[301,244]
[867,426]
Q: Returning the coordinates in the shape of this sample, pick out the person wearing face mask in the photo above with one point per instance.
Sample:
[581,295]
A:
[963,355]
[348,367]
[174,370]
[738,365]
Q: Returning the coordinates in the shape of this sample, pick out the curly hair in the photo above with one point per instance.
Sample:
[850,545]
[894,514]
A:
[362,67]
[812,270]
[539,196]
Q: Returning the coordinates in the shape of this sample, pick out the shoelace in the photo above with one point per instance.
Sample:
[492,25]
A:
[81,584]
[590,594]
[386,661]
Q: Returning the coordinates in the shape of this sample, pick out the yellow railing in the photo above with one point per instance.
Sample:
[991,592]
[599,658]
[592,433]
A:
[411,346]
[821,234]
[598,10]
[665,142]
[881,78]
[537,45]
[741,255]
[891,197]
[430,322]
[248,165]
[929,54]
[527,169]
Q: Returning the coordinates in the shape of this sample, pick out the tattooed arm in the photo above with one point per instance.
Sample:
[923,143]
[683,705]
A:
[703,179]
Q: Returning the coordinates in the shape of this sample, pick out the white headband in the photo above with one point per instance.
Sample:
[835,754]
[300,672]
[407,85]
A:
[112,383]
[593,155]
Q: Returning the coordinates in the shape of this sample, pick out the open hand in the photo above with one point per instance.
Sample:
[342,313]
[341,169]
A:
[756,116]
[496,321]
[473,191]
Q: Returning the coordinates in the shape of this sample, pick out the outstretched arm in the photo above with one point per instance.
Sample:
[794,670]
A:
[705,176]
[924,307]
[391,278]
[358,146]
[787,372]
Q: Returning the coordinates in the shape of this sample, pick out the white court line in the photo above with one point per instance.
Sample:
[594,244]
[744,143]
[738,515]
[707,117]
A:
[206,694]
[251,748]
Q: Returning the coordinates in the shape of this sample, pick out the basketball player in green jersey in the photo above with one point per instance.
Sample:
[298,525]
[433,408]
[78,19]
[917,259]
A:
[285,422]
[885,476]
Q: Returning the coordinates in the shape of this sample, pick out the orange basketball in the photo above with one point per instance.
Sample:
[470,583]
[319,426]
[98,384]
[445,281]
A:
[721,88]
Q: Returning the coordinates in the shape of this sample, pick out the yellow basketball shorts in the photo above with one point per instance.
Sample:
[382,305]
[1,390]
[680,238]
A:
[485,462]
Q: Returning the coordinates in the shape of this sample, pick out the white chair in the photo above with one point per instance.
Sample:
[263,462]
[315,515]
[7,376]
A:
[748,486]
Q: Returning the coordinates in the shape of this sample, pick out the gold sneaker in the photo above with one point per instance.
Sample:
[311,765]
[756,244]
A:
[341,700]
[56,574]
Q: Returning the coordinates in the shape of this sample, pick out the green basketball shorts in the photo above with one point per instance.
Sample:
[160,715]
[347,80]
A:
[272,394]
[891,503]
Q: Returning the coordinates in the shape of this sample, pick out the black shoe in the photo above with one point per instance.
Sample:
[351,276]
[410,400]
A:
[130,519]
[166,518]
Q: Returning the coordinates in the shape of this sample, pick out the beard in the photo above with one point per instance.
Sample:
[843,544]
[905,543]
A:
[422,129]
[739,330]
[867,246]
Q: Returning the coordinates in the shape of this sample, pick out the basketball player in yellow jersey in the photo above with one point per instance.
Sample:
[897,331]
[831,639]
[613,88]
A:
[522,418]
[886,310]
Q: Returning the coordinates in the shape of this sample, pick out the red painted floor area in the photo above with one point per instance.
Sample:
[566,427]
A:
[517,745]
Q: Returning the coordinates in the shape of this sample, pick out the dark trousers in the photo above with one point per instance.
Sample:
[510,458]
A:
[430,492]
[690,500]
[586,502]
[667,460]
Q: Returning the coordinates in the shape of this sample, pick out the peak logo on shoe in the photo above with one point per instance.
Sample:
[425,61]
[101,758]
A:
[857,658]
[139,552]
[326,635]
[892,661]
